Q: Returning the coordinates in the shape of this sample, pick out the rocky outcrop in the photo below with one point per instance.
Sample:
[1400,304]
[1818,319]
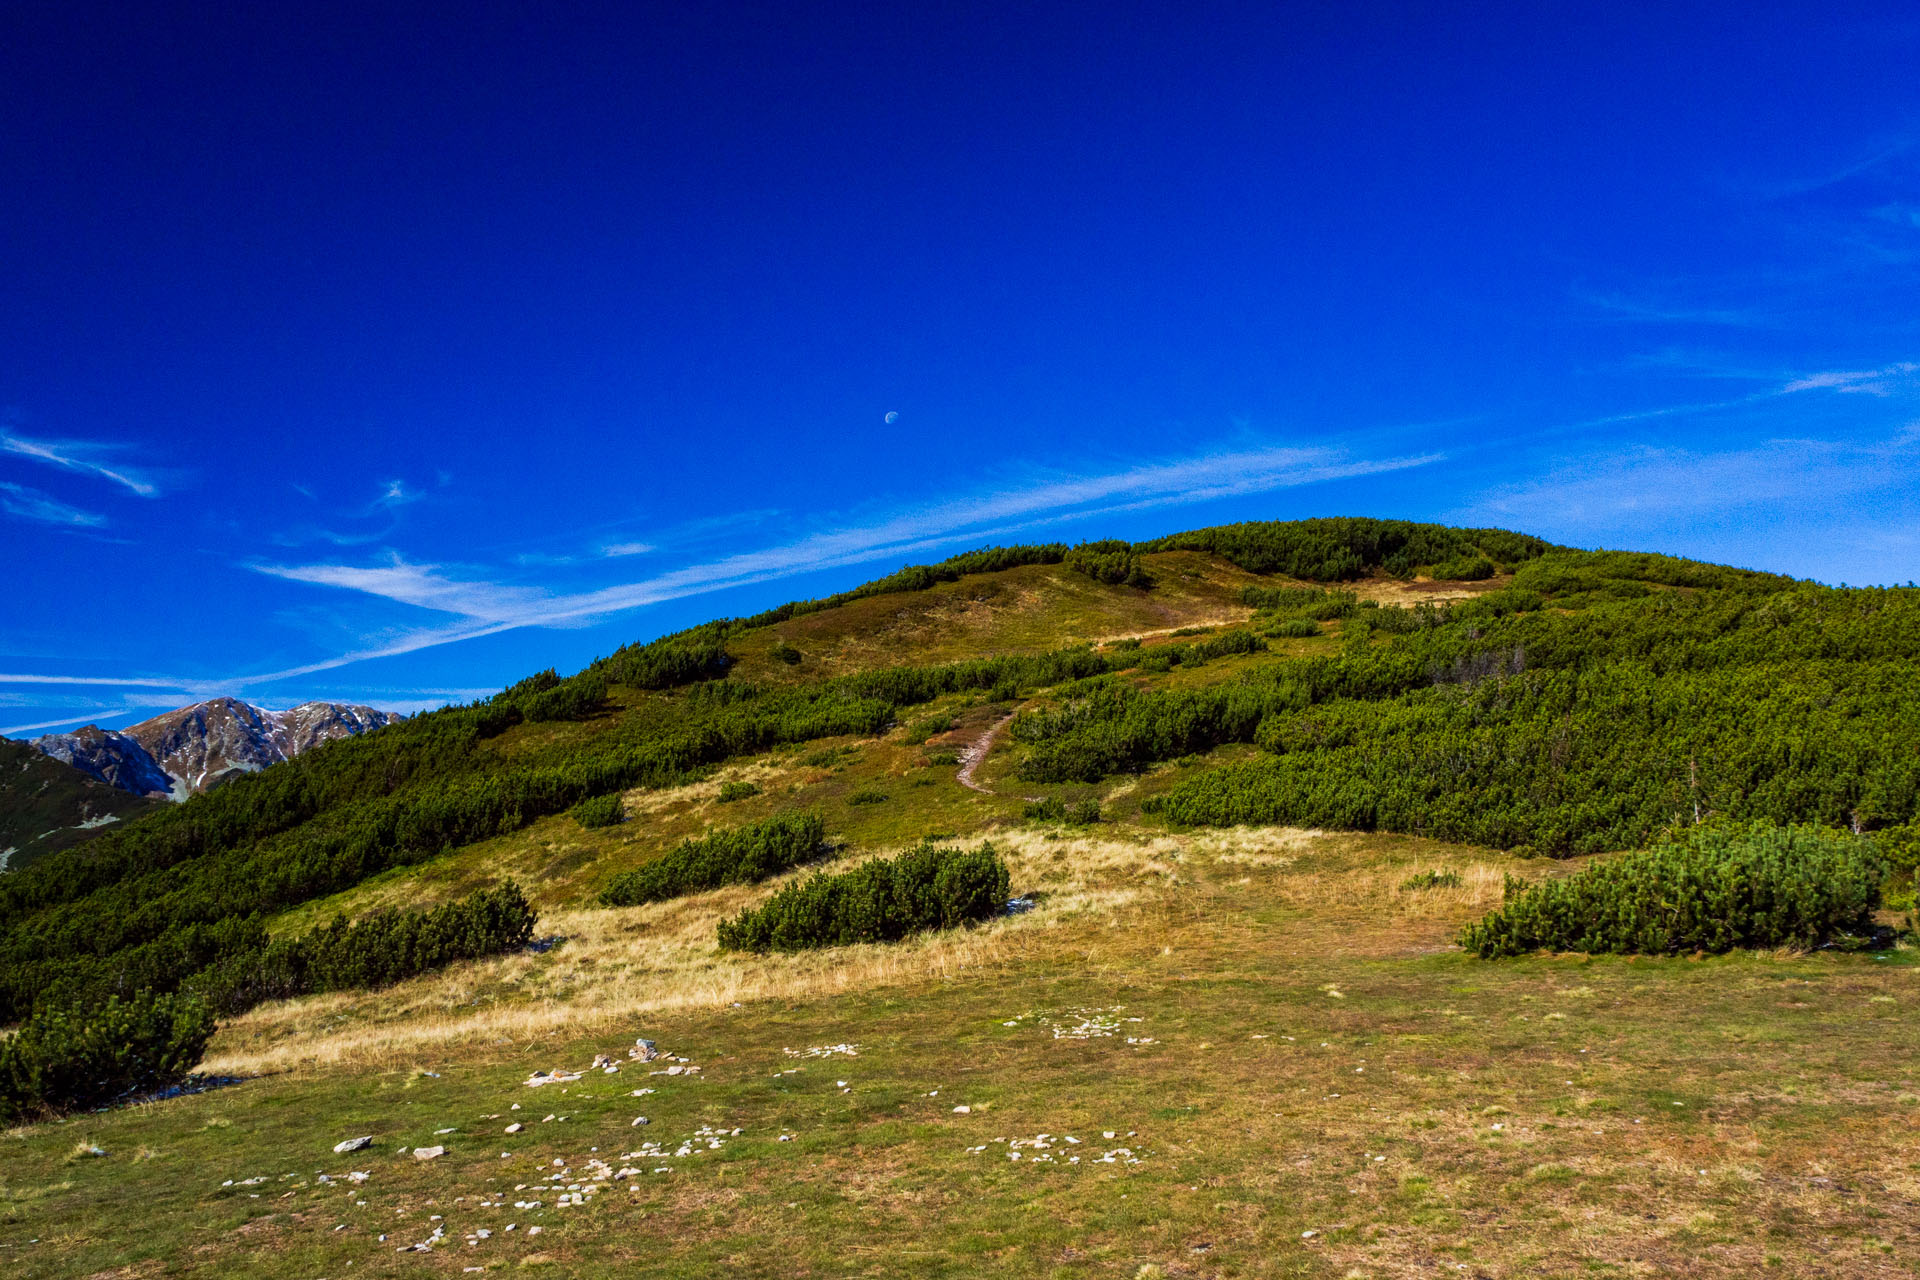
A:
[114,758]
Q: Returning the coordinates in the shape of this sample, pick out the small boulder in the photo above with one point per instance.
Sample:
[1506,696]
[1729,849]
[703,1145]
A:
[428,1153]
[643,1051]
[515,1127]
[353,1144]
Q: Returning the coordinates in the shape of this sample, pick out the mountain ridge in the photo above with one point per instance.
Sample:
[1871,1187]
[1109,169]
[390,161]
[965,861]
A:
[193,748]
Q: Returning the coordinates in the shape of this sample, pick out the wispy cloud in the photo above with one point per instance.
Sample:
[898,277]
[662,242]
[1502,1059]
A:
[617,550]
[82,456]
[98,682]
[31,504]
[488,608]
[384,507]
[1617,306]
[422,585]
[1871,158]
[1873,382]
[1645,486]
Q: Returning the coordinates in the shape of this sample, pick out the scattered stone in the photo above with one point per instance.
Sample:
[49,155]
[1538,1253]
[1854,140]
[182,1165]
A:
[540,1078]
[643,1051]
[353,1144]
[515,1127]
[638,1121]
[428,1153]
[964,1110]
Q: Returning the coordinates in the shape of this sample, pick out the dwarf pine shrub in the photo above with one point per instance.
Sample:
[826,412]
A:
[1718,888]
[743,855]
[928,887]
[82,1056]
[1110,561]
[600,811]
[374,951]
[1294,629]
[1082,813]
[731,791]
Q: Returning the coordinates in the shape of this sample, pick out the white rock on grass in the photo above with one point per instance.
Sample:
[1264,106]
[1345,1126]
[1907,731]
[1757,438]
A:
[428,1153]
[352,1144]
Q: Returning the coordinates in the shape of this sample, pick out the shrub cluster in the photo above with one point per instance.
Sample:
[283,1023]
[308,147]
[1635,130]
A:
[375,951]
[738,790]
[545,696]
[600,811]
[667,663]
[929,727]
[1341,548]
[66,1058]
[742,855]
[1720,888]
[1473,568]
[1568,729]
[1083,813]
[1110,561]
[929,887]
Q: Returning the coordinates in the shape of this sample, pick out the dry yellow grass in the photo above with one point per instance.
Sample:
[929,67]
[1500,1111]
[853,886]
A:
[622,963]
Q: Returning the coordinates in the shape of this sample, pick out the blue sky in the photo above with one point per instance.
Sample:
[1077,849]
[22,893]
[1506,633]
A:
[365,353]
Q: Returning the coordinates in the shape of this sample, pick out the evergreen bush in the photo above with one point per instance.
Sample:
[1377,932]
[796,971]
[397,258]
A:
[1465,569]
[600,811]
[66,1057]
[1110,561]
[928,887]
[743,855]
[375,951]
[1718,888]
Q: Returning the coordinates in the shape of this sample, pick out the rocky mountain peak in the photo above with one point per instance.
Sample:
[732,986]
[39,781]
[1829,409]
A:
[192,748]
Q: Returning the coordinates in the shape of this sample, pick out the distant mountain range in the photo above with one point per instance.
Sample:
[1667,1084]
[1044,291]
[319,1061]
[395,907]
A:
[62,789]
[189,750]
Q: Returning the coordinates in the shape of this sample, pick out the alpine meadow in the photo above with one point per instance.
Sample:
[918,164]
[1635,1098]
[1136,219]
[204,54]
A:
[1334,897]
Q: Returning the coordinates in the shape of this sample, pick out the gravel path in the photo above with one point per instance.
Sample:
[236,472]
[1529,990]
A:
[976,752]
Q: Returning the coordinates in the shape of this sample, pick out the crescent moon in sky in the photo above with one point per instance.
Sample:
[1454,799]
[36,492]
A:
[893,416]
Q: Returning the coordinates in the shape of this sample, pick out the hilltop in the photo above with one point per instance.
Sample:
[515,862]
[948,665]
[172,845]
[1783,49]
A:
[1248,783]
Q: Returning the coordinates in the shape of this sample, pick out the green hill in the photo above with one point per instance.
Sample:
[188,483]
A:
[1249,784]
[46,805]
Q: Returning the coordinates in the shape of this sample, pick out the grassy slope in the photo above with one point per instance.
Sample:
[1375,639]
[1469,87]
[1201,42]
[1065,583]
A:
[1306,1015]
[43,802]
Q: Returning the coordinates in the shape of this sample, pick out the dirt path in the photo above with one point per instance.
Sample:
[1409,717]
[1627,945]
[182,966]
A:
[976,752]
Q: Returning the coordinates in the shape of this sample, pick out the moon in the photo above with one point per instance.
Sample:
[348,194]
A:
[893,416]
